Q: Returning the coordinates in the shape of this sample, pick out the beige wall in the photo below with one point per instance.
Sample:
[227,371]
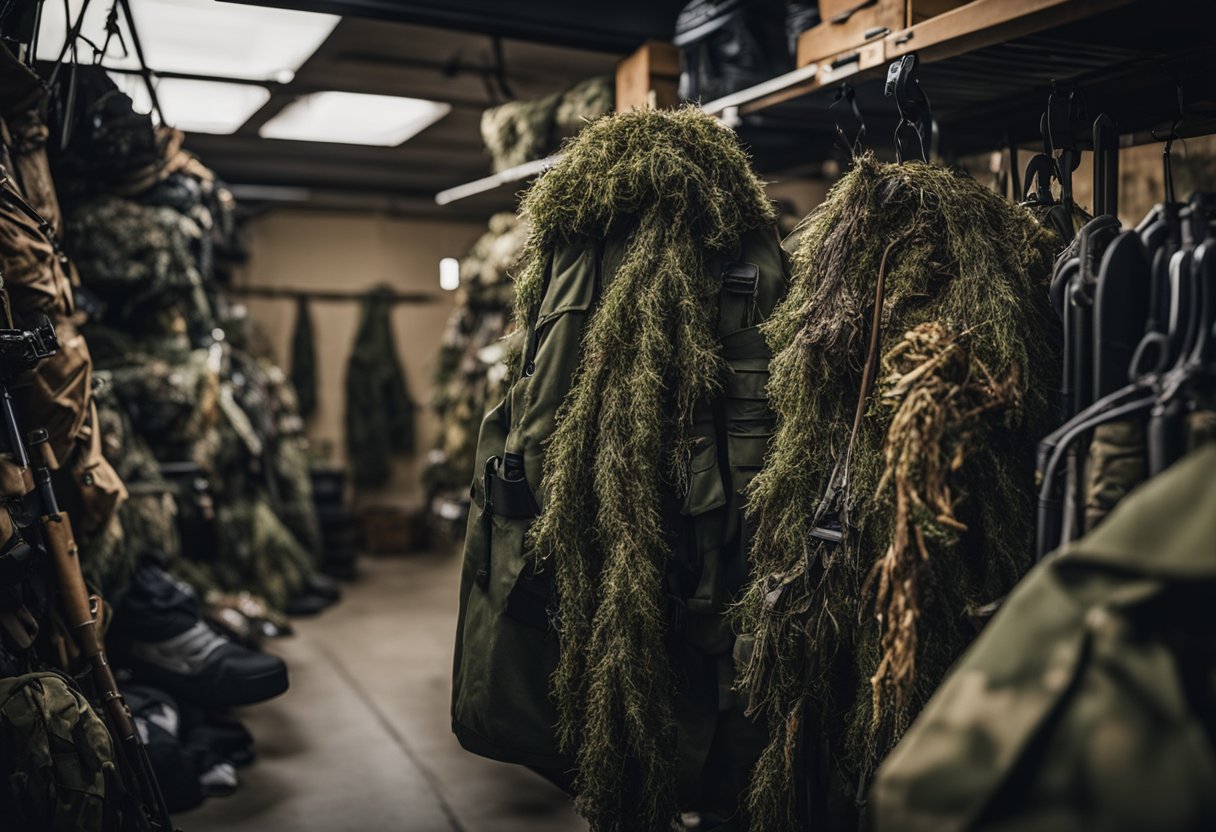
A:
[352,252]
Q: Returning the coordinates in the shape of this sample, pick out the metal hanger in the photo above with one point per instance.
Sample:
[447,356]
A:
[847,96]
[915,114]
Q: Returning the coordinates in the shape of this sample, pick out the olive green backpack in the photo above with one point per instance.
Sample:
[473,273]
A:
[56,758]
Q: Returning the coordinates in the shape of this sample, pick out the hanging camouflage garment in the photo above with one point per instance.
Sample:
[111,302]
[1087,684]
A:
[148,522]
[912,362]
[57,394]
[1088,702]
[57,772]
[304,359]
[472,369]
[379,410]
[607,541]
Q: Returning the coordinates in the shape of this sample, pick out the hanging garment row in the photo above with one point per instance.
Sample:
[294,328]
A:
[731,594]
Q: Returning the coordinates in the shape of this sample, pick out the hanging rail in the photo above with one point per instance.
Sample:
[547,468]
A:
[329,295]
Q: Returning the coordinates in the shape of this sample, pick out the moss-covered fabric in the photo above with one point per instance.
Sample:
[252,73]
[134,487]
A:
[931,485]
[680,189]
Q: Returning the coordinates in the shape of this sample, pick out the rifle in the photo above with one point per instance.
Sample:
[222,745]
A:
[44,525]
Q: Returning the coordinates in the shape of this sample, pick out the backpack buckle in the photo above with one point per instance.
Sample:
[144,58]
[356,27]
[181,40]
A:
[741,278]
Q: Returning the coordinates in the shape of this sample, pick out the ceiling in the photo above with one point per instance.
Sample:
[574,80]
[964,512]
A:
[614,27]
[379,57]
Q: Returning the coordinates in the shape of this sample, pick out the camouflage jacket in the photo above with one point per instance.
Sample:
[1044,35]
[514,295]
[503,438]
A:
[1089,701]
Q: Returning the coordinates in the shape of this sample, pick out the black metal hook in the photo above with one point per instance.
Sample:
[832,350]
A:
[1065,113]
[903,83]
[1167,156]
[848,96]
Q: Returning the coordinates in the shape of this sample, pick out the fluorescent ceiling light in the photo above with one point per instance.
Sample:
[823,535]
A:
[196,37]
[354,118]
[197,106]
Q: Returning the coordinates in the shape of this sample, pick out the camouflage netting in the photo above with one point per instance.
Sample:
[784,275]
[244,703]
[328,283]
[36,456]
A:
[472,370]
[934,479]
[523,131]
[681,187]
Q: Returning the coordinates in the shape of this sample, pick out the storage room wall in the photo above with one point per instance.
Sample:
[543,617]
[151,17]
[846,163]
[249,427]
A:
[345,251]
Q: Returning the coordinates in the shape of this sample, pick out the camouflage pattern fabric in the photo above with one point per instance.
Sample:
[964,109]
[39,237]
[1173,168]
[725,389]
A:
[1089,701]
[379,409]
[147,522]
[38,279]
[1117,464]
[58,771]
[524,131]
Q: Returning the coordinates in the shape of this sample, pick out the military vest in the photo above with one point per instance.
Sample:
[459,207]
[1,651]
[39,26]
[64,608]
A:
[506,645]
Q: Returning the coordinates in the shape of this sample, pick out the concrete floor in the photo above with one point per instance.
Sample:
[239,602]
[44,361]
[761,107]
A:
[362,740]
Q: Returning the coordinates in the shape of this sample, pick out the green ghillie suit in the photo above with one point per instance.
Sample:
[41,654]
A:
[607,540]
[1088,702]
[379,409]
[883,525]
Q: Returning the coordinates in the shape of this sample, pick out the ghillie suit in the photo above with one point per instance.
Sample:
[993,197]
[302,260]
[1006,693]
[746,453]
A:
[472,368]
[911,363]
[523,131]
[607,541]
[379,409]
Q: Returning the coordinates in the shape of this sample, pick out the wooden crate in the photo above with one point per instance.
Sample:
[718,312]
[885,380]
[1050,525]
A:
[392,529]
[851,24]
[650,77]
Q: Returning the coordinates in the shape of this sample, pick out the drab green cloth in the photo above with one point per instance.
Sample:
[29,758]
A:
[1088,701]
[379,409]
[304,359]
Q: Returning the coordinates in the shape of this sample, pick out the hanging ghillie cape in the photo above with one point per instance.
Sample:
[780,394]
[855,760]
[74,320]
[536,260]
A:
[379,410]
[304,360]
[1095,679]
[928,480]
[606,541]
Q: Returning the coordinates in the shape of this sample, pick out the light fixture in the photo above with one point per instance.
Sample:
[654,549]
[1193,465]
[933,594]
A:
[223,40]
[449,274]
[354,118]
[197,106]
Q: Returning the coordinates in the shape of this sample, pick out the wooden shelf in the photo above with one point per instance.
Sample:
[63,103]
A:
[987,68]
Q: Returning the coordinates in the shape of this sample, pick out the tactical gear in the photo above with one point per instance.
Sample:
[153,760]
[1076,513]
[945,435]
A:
[379,409]
[58,772]
[728,45]
[304,359]
[524,131]
[912,364]
[710,269]
[1088,702]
